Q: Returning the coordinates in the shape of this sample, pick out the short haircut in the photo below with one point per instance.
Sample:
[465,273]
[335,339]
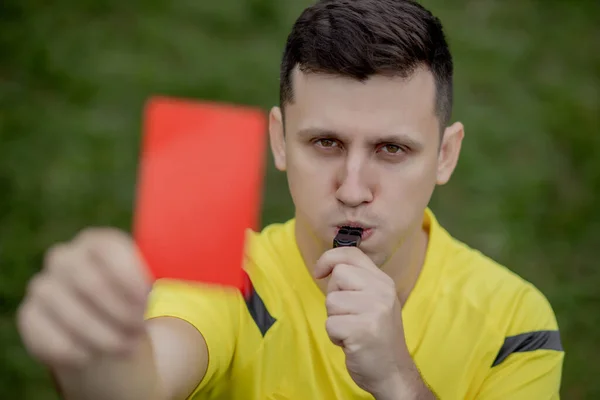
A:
[361,38]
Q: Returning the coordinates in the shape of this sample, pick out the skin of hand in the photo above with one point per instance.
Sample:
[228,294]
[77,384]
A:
[365,320]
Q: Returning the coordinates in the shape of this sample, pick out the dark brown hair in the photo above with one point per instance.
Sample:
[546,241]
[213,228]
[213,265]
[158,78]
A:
[360,38]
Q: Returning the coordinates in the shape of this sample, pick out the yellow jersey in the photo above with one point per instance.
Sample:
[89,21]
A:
[474,329]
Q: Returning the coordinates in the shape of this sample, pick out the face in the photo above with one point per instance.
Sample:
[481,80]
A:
[363,153]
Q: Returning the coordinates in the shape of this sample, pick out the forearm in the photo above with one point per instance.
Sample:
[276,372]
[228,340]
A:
[128,377]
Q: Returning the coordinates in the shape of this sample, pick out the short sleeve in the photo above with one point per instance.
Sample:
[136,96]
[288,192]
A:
[213,311]
[529,363]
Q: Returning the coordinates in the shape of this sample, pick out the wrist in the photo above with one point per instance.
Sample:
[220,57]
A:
[405,385]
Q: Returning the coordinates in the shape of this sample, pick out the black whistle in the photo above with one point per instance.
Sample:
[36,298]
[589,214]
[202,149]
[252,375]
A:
[348,236]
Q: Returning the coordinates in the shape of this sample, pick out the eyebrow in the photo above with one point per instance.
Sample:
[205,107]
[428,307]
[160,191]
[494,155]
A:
[400,138]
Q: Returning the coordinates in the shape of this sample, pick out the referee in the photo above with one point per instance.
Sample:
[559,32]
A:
[364,133]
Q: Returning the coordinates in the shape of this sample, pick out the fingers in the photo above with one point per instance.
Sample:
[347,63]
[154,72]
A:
[56,348]
[86,278]
[119,310]
[110,250]
[353,318]
[347,277]
[88,300]
[348,303]
[340,328]
[73,317]
[341,255]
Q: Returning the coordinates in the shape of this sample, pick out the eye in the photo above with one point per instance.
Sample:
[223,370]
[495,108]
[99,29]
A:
[391,149]
[326,143]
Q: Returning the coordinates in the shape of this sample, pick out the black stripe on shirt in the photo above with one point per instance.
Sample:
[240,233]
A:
[530,341]
[261,316]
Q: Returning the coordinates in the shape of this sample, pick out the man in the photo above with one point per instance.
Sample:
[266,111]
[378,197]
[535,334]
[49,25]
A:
[363,133]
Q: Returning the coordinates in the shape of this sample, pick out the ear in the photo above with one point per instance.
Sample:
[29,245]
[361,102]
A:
[449,152]
[277,138]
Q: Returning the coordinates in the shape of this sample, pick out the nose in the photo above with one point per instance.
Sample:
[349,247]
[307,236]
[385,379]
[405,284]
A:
[353,186]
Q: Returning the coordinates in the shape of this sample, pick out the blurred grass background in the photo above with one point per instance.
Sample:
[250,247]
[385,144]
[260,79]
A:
[74,77]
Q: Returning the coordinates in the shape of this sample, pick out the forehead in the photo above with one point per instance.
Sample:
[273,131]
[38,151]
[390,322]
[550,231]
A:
[381,103]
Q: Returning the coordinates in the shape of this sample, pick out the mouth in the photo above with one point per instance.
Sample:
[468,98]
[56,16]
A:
[367,231]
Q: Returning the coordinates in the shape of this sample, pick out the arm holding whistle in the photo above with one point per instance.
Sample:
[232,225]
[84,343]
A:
[365,320]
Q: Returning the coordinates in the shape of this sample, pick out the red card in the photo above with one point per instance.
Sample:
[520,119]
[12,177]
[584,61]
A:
[199,188]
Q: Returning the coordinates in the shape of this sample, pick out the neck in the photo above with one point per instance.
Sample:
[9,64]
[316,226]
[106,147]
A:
[406,263]
[404,266]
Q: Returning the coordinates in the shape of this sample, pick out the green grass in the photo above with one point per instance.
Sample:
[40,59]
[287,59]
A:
[74,77]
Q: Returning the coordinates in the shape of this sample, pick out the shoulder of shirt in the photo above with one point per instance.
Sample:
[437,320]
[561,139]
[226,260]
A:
[269,244]
[510,304]
[270,254]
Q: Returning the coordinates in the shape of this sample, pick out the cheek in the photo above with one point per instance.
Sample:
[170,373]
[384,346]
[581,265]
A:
[309,181]
[406,192]
[413,186]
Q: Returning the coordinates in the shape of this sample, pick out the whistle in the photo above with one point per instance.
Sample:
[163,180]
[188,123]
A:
[348,236]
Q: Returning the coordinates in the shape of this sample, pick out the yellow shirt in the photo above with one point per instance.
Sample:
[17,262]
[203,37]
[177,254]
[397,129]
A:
[473,328]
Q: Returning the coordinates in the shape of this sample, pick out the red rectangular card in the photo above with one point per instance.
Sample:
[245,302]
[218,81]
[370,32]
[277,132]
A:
[199,188]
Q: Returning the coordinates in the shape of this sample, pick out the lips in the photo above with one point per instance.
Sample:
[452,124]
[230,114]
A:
[366,233]
[354,225]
